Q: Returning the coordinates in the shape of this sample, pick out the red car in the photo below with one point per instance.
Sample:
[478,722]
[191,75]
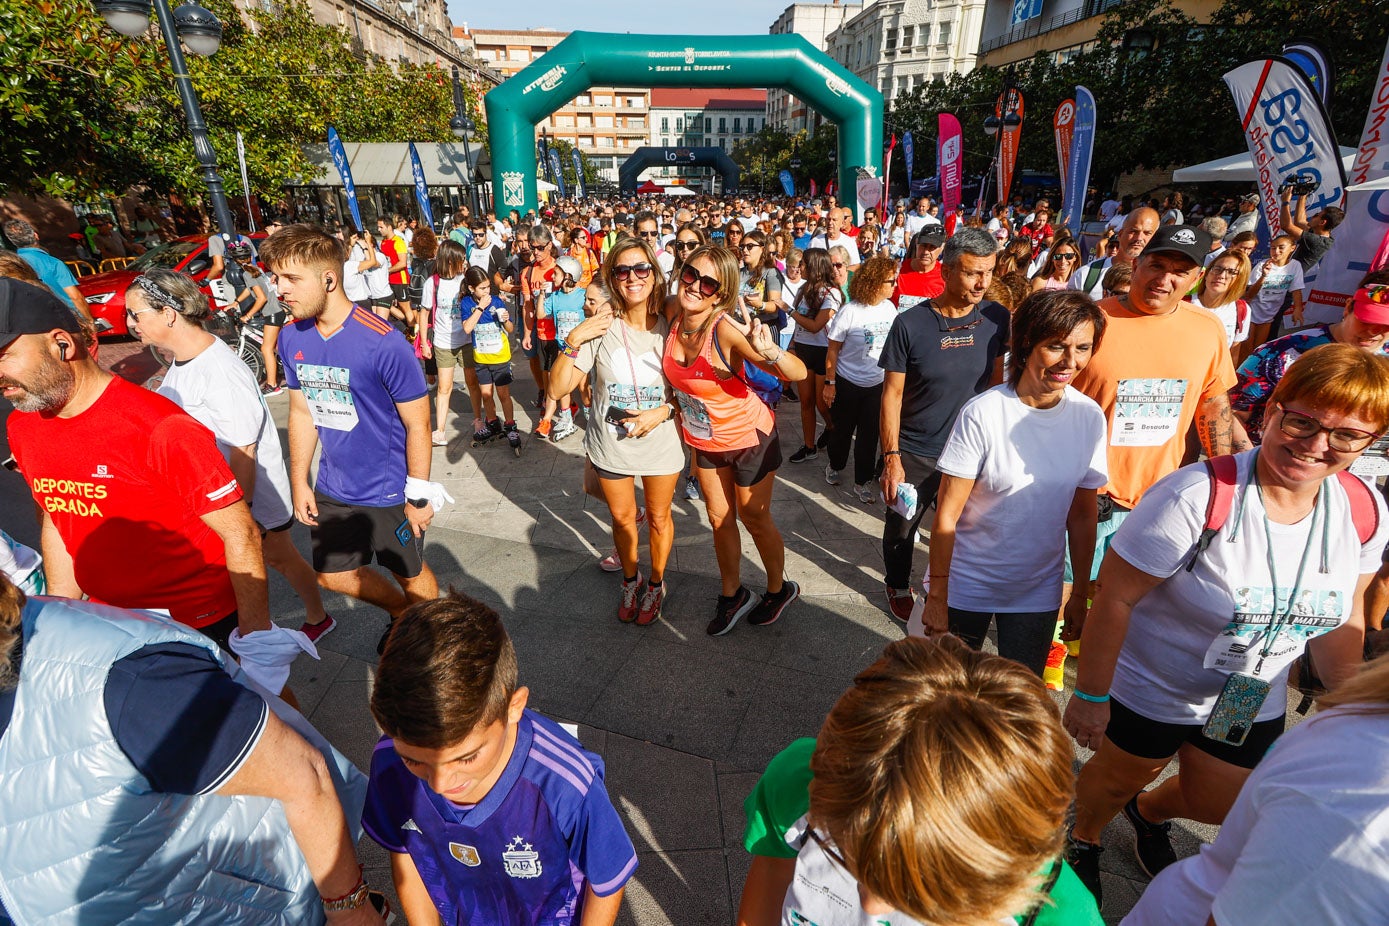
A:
[105,292]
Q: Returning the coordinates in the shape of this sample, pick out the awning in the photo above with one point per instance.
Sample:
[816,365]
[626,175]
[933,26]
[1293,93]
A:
[649,187]
[680,191]
[388,164]
[1237,168]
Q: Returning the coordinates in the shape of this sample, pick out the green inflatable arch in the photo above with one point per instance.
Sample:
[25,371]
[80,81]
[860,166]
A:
[586,59]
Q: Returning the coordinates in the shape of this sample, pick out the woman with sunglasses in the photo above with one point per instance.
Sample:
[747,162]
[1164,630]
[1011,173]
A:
[687,240]
[1187,648]
[578,241]
[733,233]
[814,309]
[632,434]
[731,431]
[1058,267]
[760,283]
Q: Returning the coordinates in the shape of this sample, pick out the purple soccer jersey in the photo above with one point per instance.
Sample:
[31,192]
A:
[523,854]
[352,381]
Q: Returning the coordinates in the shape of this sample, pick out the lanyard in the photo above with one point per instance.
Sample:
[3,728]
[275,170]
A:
[636,387]
[1277,620]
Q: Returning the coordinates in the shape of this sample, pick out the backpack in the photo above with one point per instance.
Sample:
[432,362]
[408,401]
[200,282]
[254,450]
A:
[1224,476]
[763,384]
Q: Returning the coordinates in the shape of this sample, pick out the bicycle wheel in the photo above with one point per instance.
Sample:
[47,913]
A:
[163,357]
[250,355]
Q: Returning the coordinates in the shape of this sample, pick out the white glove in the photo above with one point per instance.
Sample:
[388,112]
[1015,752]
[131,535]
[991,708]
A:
[433,492]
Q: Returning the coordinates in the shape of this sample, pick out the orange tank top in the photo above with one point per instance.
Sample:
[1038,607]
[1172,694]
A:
[715,414]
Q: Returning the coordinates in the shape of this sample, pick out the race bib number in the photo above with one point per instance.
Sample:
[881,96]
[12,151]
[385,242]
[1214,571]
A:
[905,302]
[1241,644]
[874,336]
[487,338]
[328,394]
[1147,412]
[694,417]
[566,320]
[628,398]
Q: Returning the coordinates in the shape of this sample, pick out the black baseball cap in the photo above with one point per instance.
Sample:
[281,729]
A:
[28,309]
[933,235]
[1187,240]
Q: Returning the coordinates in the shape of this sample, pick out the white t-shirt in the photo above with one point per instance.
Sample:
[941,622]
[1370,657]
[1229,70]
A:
[749,222]
[666,261]
[1307,841]
[1026,464]
[1229,317]
[1196,628]
[1109,209]
[448,321]
[1077,281]
[862,330]
[354,282]
[379,277]
[1278,282]
[995,228]
[218,390]
[832,301]
[789,291]
[916,221]
[843,241]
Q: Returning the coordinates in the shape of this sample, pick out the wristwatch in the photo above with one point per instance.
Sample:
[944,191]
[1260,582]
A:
[829,382]
[358,898]
[418,502]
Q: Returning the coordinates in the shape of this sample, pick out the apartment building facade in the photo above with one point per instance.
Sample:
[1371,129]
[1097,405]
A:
[898,45]
[1015,31]
[702,118]
[814,22]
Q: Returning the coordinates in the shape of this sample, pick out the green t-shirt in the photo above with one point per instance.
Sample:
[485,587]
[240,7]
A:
[776,809]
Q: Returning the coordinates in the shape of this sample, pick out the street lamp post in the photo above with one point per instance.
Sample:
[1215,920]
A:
[202,33]
[994,127]
[463,128]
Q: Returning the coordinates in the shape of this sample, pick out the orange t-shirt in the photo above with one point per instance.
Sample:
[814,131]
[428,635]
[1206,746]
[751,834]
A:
[1149,376]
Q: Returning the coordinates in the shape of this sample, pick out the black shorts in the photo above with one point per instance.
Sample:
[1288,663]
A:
[1152,739]
[494,374]
[221,631]
[751,464]
[348,537]
[549,350]
[275,530]
[813,357]
[276,320]
[400,292]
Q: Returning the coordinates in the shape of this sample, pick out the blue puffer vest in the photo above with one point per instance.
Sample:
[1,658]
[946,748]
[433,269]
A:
[84,839]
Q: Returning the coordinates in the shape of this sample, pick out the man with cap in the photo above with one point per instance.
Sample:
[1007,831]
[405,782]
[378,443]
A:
[1134,234]
[137,507]
[1246,219]
[1163,364]
[920,278]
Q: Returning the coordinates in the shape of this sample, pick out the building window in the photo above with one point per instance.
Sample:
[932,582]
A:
[342,19]
[586,141]
[679,123]
[665,124]
[723,124]
[944,37]
[707,125]
[518,54]
[889,40]
[635,102]
[737,125]
[584,99]
[908,38]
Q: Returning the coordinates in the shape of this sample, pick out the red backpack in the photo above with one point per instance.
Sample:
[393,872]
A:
[1224,474]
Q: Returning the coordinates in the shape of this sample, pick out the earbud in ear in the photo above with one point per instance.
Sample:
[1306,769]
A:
[329,283]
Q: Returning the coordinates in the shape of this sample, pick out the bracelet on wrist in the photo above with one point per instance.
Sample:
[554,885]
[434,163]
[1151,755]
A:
[939,575]
[892,453]
[571,352]
[1093,699]
[830,383]
[352,899]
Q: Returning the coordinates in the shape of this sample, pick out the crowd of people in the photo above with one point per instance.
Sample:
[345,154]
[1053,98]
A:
[1137,446]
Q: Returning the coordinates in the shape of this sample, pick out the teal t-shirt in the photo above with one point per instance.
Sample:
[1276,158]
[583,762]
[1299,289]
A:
[776,811]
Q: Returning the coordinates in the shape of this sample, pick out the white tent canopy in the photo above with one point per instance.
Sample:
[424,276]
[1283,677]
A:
[1237,168]
[545,186]
[388,164]
[680,191]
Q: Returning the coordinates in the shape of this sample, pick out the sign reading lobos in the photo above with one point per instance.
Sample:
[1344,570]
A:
[513,188]
[549,80]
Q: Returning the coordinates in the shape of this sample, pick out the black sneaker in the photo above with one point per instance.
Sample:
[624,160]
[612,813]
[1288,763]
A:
[824,440]
[728,611]
[804,454]
[1151,841]
[1084,859]
[771,606]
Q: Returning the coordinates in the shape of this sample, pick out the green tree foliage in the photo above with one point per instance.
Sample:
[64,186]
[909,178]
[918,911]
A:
[95,113]
[1156,77]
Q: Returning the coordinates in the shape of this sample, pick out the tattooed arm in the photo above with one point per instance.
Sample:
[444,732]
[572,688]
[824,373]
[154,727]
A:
[1215,424]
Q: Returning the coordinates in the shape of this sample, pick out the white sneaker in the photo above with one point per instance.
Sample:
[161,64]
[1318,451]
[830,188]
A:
[865,493]
[832,475]
[611,563]
[563,428]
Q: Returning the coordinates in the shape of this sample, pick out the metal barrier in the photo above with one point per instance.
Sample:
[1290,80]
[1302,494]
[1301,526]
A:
[80,268]
[115,263]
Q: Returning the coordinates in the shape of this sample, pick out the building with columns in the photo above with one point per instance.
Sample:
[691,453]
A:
[898,45]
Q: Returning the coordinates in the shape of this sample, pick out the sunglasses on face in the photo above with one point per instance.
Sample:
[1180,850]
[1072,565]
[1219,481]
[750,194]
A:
[622,271]
[751,246]
[650,234]
[686,245]
[692,278]
[1345,440]
[1065,257]
[837,266]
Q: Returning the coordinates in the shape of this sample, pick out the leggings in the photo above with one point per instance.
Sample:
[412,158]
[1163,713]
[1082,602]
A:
[899,534]
[1024,636]
[855,408]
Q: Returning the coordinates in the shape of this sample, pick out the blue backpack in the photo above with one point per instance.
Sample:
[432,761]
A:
[766,386]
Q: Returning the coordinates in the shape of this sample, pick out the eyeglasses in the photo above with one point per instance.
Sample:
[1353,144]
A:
[135,316]
[686,245]
[751,246]
[622,271]
[1222,271]
[708,286]
[651,234]
[1346,440]
[837,266]
[1064,256]
[964,327]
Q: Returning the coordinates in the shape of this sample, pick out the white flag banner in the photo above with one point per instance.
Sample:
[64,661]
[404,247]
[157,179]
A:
[1287,132]
[1358,238]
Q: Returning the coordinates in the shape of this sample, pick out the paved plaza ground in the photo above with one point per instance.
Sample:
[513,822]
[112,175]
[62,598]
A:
[683,721]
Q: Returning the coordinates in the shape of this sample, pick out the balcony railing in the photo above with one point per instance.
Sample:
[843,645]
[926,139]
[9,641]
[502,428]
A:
[1035,27]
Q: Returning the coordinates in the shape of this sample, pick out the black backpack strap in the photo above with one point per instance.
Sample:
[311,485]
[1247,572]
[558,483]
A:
[1057,867]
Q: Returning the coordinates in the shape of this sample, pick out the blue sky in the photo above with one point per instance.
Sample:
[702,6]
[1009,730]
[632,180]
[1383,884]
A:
[699,17]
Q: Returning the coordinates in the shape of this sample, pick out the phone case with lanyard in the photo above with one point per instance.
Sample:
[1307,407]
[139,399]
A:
[1236,709]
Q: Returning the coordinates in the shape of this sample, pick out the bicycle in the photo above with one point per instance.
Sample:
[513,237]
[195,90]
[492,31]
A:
[245,338]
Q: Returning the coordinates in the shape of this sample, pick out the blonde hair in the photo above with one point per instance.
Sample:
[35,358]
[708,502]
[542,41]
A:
[1237,286]
[657,298]
[11,617]
[1367,689]
[943,777]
